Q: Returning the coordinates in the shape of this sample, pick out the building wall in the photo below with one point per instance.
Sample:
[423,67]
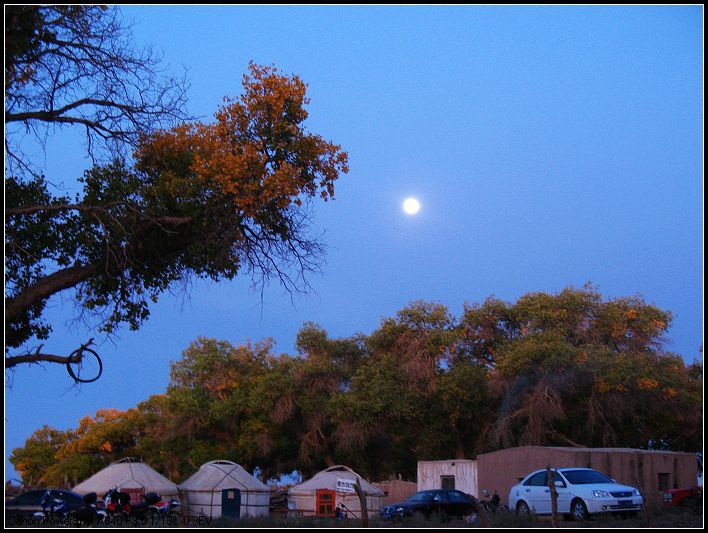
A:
[396,490]
[305,504]
[208,503]
[499,471]
[430,474]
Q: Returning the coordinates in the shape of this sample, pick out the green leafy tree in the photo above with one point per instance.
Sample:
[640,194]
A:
[549,369]
[322,373]
[223,402]
[416,396]
[34,459]
[582,371]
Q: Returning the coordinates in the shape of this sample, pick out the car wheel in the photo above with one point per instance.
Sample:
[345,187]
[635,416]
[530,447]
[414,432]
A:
[522,509]
[579,510]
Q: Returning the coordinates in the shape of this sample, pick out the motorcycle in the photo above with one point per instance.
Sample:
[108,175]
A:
[53,507]
[92,512]
[117,503]
[169,508]
[151,508]
[493,504]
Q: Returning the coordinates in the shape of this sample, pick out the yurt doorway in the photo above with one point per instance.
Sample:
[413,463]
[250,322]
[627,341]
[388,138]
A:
[231,503]
[325,502]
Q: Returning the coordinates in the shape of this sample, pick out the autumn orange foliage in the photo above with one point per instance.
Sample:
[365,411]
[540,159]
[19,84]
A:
[257,152]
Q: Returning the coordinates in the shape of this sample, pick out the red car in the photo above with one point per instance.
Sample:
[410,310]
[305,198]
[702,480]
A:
[692,496]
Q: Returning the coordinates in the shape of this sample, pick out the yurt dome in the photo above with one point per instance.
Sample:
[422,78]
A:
[330,488]
[131,476]
[224,488]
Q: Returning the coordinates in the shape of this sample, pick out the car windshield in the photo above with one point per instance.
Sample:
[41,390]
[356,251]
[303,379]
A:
[585,477]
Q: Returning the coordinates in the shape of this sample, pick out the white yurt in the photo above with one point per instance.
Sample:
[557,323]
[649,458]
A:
[223,488]
[131,476]
[331,488]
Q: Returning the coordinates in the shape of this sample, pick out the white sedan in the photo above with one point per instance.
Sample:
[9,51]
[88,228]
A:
[581,492]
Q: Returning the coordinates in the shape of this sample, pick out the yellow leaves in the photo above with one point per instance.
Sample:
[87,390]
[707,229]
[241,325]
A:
[257,153]
[106,447]
[602,386]
[670,393]
[617,331]
[642,383]
[631,314]
[647,383]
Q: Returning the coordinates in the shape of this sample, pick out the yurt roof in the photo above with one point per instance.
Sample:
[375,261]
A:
[327,480]
[127,474]
[218,475]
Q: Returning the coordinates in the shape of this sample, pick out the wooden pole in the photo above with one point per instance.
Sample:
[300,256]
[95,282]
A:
[554,496]
[362,502]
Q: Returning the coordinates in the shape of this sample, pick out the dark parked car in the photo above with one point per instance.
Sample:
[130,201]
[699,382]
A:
[444,503]
[30,502]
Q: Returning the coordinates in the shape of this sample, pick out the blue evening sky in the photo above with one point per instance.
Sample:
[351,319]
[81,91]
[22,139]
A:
[548,146]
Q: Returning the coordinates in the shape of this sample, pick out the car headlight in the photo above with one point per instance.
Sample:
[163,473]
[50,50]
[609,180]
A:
[600,494]
[636,492]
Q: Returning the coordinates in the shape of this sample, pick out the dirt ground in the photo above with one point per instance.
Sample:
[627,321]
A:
[664,519]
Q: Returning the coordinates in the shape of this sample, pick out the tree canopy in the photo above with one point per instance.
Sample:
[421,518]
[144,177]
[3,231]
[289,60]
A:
[209,200]
[77,66]
[549,369]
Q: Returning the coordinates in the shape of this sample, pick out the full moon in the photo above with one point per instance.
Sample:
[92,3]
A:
[411,206]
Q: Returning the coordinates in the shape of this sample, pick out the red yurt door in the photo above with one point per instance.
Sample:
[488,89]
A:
[325,502]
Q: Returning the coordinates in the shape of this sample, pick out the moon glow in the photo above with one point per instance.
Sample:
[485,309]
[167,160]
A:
[411,206]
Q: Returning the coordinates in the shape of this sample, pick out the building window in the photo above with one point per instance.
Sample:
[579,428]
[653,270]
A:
[447,482]
[664,481]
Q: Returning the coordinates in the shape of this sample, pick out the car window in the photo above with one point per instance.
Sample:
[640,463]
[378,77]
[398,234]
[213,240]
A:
[585,477]
[440,497]
[421,497]
[537,480]
[558,477]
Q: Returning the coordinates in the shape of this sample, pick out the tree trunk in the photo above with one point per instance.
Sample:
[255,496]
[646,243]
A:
[44,288]
[554,496]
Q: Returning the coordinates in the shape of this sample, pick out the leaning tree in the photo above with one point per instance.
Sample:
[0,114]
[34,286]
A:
[193,199]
